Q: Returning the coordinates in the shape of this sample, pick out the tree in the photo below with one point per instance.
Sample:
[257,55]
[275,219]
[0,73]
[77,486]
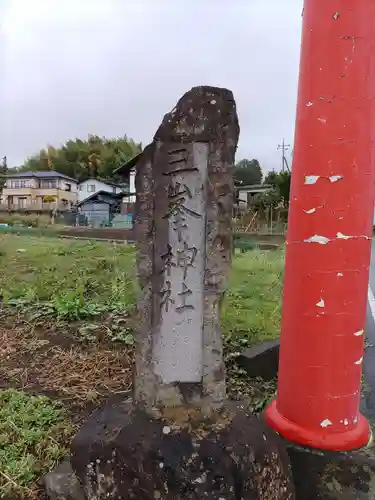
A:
[247,172]
[3,172]
[81,159]
[280,183]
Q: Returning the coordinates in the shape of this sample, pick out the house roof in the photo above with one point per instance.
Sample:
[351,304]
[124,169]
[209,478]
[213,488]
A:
[253,187]
[102,196]
[126,167]
[40,174]
[109,183]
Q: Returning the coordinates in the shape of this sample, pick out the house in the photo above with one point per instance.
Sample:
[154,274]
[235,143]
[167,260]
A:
[127,172]
[99,208]
[245,194]
[91,186]
[38,191]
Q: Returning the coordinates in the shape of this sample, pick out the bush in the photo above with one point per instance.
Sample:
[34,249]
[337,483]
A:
[25,220]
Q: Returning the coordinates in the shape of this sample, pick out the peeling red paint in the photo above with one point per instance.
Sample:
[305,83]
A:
[328,250]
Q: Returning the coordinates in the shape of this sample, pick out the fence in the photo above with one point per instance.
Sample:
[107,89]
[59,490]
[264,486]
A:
[34,206]
[270,221]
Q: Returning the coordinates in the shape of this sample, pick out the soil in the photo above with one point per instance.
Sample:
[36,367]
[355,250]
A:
[99,233]
[42,360]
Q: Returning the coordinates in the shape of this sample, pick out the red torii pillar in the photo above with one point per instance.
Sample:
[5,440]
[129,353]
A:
[329,231]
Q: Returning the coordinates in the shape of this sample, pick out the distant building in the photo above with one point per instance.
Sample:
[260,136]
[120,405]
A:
[245,194]
[100,207]
[127,172]
[38,192]
[92,186]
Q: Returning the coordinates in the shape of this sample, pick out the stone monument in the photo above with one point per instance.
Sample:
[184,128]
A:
[183,231]
[179,438]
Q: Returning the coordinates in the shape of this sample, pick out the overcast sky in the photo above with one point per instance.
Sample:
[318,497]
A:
[112,67]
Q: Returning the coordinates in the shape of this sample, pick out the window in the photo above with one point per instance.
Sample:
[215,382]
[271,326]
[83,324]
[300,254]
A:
[68,187]
[114,189]
[18,184]
[48,184]
[91,188]
[22,202]
[80,187]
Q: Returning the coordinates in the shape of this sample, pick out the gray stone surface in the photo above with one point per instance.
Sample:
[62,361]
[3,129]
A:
[323,475]
[62,484]
[178,346]
[261,360]
[183,233]
[124,453]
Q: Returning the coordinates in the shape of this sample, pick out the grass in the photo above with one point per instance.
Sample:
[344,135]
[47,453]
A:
[73,280]
[70,280]
[31,430]
[72,303]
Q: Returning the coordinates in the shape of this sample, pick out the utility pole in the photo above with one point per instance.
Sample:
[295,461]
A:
[329,231]
[283,148]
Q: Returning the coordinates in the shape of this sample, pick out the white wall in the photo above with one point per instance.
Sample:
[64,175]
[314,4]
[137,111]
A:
[92,186]
[131,198]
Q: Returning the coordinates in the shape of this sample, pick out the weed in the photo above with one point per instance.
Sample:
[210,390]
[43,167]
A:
[84,281]
[31,429]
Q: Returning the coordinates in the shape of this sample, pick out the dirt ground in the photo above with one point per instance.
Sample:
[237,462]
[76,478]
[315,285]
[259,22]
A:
[53,363]
[100,233]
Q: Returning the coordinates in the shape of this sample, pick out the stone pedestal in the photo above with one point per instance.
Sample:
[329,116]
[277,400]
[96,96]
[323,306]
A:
[185,454]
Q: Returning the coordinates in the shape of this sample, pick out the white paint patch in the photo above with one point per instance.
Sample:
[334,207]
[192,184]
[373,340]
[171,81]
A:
[213,101]
[325,423]
[340,275]
[311,179]
[359,333]
[335,178]
[359,362]
[322,240]
[341,236]
[309,104]
[322,120]
[321,303]
[311,211]
[346,422]
[166,430]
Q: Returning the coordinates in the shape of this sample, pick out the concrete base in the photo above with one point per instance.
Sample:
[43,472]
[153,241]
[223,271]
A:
[191,454]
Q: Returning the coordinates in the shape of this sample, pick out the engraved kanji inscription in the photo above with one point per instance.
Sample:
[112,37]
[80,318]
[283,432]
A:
[177,190]
[168,261]
[186,257]
[184,295]
[177,199]
[179,224]
[166,298]
[177,162]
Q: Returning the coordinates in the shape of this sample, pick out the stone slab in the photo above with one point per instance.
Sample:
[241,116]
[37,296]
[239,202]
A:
[261,360]
[62,484]
[183,231]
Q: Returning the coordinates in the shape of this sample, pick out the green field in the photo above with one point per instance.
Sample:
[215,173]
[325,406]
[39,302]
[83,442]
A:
[72,303]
